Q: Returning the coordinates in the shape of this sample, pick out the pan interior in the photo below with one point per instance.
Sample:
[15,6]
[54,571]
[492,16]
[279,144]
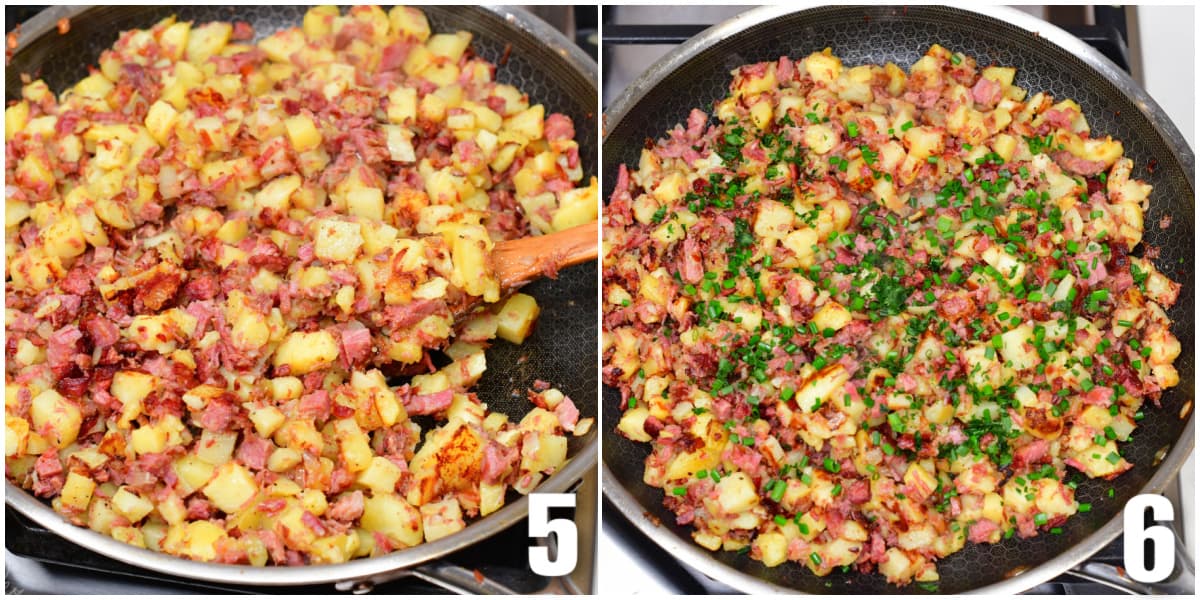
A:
[562,349]
[876,35]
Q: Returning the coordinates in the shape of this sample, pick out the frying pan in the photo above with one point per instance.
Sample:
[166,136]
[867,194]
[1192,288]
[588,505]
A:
[562,350]
[697,73]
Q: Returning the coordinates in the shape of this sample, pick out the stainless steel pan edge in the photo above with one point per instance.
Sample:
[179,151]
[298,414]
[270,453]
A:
[701,559]
[372,570]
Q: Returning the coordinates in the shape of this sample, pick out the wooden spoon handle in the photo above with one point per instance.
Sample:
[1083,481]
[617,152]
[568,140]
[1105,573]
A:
[517,262]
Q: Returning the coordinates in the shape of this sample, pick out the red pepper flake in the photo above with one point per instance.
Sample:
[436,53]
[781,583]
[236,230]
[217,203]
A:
[64,26]
[479,578]
[504,57]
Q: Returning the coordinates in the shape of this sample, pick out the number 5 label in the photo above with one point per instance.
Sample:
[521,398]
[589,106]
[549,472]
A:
[1162,540]
[566,538]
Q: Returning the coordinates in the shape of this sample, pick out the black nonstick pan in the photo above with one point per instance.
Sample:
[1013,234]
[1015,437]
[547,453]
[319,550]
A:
[697,73]
[530,55]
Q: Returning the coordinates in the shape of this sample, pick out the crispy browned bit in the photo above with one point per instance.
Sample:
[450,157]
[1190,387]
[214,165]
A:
[504,57]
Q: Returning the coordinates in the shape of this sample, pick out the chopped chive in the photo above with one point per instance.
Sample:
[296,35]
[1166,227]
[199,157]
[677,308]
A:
[777,490]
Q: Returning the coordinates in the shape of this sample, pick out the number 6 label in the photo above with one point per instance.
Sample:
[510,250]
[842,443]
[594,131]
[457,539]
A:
[566,538]
[1162,540]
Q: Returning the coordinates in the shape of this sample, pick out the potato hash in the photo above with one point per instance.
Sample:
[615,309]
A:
[869,315]
[213,245]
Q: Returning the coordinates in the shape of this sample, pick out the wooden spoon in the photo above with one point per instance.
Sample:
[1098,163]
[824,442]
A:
[518,262]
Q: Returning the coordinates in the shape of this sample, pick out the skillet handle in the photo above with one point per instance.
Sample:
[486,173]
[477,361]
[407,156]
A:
[459,580]
[441,573]
[1181,581]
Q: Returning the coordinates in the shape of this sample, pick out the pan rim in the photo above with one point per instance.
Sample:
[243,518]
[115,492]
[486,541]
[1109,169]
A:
[705,561]
[575,469]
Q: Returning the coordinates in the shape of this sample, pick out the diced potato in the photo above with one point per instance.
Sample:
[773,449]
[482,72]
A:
[390,515]
[632,424]
[192,473]
[160,121]
[821,387]
[823,67]
[207,40]
[197,540]
[528,123]
[772,548]
[802,242]
[1010,268]
[921,483]
[491,498]
[16,436]
[55,417]
[266,420]
[130,505]
[366,202]
[318,21]
[306,352]
[216,447]
[354,446]
[450,459]
[283,459]
[735,494]
[380,476]
[449,45]
[131,387]
[282,45]
[820,138]
[576,207]
[15,119]
[832,315]
[302,132]
[1018,349]
[441,519]
[550,454]
[516,317]
[231,488]
[409,22]
[148,439]
[337,241]
[77,492]
[101,517]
